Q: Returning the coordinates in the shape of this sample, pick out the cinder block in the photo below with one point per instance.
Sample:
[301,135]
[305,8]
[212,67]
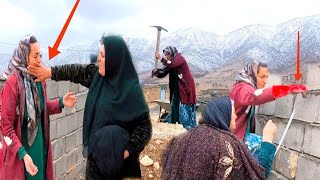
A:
[60,167]
[82,88]
[71,160]
[318,119]
[311,143]
[307,108]
[294,136]
[284,106]
[78,137]
[70,142]
[62,126]
[52,89]
[58,147]
[68,111]
[267,108]
[60,178]
[79,175]
[276,176]
[63,88]
[52,117]
[74,87]
[313,76]
[76,171]
[53,130]
[71,174]
[80,118]
[83,164]
[80,157]
[81,169]
[81,99]
[286,163]
[308,168]
[72,123]
[290,78]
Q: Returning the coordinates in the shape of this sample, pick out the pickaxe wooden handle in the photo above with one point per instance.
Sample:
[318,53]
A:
[159,28]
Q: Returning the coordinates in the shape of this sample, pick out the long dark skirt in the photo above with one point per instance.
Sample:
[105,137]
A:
[131,168]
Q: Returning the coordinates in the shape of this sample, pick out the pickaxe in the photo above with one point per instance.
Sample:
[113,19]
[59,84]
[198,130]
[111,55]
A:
[159,28]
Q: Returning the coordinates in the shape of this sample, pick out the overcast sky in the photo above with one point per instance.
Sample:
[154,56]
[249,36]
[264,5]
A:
[132,18]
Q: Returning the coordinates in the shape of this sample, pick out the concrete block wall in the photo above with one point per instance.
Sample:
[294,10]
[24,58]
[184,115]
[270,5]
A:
[66,131]
[299,155]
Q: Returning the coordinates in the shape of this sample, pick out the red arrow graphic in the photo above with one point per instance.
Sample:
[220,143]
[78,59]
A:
[298,74]
[53,51]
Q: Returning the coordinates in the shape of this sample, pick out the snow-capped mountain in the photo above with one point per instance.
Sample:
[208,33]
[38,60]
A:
[205,51]
[275,45]
[309,28]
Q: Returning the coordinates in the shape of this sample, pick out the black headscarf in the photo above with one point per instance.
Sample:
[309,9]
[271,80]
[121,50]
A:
[217,113]
[117,97]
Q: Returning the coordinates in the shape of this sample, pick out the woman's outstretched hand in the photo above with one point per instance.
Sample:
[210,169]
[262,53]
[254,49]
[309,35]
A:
[69,100]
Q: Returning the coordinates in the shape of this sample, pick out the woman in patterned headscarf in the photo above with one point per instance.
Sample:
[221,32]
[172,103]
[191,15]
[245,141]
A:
[211,151]
[249,90]
[26,152]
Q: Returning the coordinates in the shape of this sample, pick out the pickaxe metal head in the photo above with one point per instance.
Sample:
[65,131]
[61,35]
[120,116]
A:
[159,28]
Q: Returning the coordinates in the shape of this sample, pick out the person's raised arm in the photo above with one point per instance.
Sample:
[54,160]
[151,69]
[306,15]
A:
[77,73]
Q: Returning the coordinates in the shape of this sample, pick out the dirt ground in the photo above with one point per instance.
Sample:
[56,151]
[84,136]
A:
[156,146]
[154,151]
[162,133]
